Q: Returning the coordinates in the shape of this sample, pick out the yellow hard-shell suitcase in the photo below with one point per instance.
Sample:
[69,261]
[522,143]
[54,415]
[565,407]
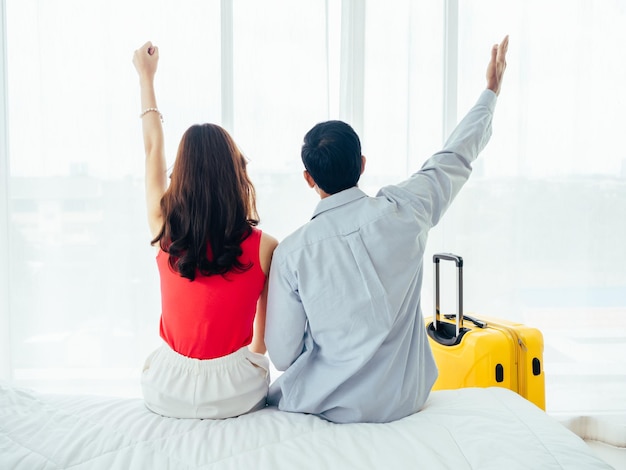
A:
[483,351]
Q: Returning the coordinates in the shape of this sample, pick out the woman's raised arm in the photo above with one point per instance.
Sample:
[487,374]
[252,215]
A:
[146,59]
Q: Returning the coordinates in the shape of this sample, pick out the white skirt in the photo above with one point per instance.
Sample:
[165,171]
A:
[182,387]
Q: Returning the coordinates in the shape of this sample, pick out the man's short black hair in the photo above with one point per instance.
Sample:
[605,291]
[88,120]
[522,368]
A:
[331,153]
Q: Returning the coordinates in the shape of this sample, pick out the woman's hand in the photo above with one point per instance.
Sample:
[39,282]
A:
[145,60]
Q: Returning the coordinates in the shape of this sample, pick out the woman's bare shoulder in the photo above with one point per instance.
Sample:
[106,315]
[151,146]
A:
[266,249]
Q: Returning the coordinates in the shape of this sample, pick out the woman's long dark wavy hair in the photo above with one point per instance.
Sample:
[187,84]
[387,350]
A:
[209,207]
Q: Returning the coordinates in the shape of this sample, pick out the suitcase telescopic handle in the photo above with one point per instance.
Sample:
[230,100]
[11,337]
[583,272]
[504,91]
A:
[437,257]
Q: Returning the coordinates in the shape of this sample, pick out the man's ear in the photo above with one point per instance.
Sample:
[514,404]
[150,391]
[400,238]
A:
[309,179]
[363,160]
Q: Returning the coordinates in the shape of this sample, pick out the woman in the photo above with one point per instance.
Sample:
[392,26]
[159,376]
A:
[213,265]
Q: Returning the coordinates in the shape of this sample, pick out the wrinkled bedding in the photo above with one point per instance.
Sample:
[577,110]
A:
[471,428]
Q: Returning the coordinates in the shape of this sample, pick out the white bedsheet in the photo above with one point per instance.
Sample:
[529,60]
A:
[460,429]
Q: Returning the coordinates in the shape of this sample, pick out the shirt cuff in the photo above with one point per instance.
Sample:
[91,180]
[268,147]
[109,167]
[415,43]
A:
[488,98]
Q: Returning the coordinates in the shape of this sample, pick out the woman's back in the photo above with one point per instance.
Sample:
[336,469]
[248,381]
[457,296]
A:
[211,316]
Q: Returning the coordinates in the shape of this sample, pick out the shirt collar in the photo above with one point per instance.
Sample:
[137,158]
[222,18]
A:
[338,199]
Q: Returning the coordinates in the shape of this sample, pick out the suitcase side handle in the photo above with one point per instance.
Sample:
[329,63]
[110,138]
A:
[459,288]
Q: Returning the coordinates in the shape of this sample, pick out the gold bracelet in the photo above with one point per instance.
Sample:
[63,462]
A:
[148,110]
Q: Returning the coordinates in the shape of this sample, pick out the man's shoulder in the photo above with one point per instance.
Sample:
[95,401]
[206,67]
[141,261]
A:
[292,242]
[303,239]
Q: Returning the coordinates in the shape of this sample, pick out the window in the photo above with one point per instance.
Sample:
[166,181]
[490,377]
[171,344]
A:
[540,223]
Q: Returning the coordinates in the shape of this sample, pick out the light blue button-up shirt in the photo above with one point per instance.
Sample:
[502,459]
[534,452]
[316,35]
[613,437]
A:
[343,317]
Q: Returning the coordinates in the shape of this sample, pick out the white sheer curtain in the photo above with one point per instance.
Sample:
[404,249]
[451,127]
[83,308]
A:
[540,224]
[5,335]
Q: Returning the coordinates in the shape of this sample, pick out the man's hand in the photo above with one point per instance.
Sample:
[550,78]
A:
[497,65]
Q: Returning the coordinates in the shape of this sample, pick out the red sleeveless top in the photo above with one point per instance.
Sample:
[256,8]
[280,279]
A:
[211,316]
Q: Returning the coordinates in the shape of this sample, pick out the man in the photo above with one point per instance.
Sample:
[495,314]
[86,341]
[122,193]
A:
[343,318]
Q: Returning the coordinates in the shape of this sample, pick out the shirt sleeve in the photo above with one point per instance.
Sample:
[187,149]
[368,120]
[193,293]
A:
[286,320]
[436,184]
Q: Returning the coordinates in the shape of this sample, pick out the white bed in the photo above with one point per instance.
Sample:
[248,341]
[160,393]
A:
[471,428]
